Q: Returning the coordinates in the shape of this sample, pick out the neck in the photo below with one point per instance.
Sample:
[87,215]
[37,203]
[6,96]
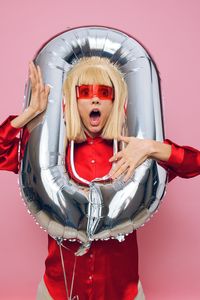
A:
[92,134]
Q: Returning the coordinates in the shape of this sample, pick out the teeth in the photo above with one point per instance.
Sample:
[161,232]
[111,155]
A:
[95,110]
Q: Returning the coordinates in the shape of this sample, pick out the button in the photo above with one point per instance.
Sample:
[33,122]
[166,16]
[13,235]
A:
[91,142]
[93,161]
[91,255]
[90,277]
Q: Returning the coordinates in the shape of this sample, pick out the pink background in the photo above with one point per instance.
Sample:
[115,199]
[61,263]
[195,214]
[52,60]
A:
[170,243]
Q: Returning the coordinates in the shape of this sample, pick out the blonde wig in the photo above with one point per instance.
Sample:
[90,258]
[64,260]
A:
[94,70]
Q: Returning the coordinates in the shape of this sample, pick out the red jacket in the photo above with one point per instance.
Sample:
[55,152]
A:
[109,271]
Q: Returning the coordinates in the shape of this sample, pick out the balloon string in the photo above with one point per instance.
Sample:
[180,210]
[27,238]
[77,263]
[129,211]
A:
[64,273]
[73,275]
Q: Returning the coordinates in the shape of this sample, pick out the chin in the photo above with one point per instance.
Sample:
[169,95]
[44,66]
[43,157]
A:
[94,130]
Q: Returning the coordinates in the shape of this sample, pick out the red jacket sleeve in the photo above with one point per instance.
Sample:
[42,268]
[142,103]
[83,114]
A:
[9,145]
[184,161]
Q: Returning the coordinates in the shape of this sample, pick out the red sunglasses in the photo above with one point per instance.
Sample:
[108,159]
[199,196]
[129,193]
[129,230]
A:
[103,92]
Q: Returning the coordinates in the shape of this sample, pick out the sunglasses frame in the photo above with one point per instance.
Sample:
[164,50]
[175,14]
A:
[95,88]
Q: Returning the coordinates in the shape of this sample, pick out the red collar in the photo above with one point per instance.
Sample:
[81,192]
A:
[94,140]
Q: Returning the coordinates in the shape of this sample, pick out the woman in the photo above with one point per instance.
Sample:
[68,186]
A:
[95,94]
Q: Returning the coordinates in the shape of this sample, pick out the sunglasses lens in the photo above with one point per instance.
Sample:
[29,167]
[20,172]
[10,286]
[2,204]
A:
[105,92]
[84,92]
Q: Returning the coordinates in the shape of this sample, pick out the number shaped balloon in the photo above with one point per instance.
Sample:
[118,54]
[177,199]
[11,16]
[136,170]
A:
[112,209]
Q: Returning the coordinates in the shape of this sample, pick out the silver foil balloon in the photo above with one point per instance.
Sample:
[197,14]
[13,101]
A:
[58,204]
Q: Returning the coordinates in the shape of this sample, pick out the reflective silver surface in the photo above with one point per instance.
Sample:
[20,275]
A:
[61,206]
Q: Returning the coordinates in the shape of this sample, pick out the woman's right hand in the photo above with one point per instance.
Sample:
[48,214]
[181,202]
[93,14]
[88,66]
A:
[39,98]
[40,92]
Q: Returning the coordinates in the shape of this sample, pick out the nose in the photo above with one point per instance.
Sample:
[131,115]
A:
[95,100]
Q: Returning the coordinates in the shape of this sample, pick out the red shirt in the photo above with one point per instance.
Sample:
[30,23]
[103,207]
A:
[109,271]
[97,272]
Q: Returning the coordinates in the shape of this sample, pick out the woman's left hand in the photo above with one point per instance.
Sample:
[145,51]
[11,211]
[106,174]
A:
[128,159]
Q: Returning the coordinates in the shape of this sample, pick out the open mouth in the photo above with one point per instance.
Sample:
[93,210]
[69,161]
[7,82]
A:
[95,115]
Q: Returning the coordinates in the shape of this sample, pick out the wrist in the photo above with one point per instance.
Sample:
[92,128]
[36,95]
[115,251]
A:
[159,150]
[30,112]
[26,116]
[151,148]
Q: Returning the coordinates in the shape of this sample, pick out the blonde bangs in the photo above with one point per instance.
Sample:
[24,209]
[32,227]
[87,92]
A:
[94,75]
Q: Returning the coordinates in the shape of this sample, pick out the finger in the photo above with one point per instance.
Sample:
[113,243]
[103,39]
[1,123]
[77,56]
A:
[116,156]
[47,90]
[125,139]
[115,170]
[129,173]
[34,77]
[117,166]
[42,88]
[44,97]
[121,170]
[34,70]
[32,74]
